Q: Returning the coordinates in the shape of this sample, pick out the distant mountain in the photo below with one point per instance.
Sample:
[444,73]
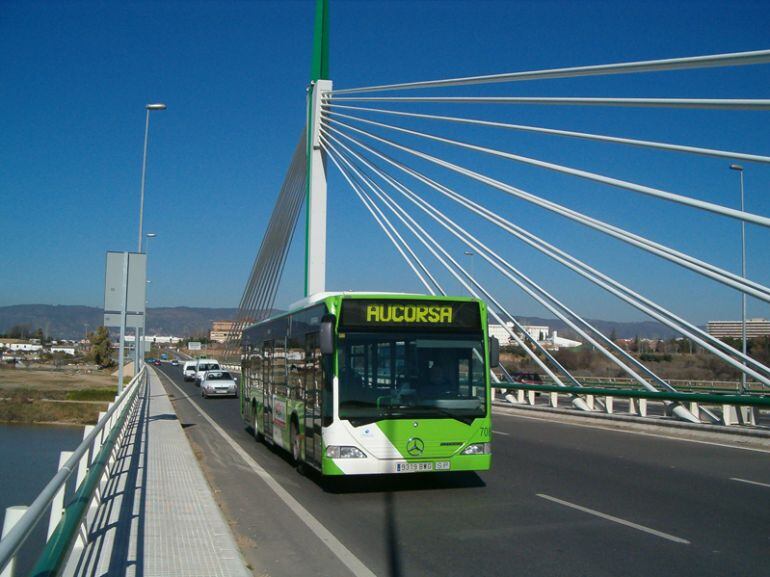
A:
[70,322]
[628,330]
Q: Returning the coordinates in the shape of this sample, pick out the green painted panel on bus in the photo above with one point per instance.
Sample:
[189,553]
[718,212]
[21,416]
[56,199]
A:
[438,438]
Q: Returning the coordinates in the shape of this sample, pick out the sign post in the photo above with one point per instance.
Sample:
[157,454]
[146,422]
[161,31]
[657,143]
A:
[124,300]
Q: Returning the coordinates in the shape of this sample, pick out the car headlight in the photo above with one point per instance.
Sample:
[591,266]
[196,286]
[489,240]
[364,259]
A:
[478,449]
[344,452]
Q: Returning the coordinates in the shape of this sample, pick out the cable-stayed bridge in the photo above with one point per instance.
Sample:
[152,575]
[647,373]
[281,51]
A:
[387,141]
[670,486]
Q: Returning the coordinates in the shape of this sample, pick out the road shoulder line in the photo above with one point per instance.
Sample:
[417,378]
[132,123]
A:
[750,482]
[346,557]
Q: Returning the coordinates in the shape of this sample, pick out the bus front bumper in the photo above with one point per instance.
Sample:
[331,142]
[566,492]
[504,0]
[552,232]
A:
[374,466]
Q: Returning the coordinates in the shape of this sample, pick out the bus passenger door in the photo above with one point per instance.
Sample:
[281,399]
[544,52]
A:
[267,389]
[312,378]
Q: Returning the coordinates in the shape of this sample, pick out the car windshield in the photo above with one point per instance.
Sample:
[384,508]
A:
[208,367]
[223,376]
[395,376]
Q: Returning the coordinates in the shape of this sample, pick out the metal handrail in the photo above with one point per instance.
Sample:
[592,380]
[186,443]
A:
[745,400]
[16,537]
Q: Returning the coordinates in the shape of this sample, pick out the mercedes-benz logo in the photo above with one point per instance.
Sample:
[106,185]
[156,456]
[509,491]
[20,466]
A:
[415,446]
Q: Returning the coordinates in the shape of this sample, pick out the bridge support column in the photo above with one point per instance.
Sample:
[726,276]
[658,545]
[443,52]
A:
[315,247]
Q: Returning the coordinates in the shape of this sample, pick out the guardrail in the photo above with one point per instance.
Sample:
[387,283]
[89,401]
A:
[92,461]
[736,409]
[678,384]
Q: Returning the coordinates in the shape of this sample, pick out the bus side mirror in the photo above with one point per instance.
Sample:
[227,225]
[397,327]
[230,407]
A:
[494,353]
[326,336]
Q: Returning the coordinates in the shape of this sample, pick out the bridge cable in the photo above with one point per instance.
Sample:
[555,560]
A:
[361,195]
[667,146]
[632,186]
[265,264]
[481,249]
[705,269]
[691,62]
[390,230]
[679,103]
[259,294]
[614,287]
[422,235]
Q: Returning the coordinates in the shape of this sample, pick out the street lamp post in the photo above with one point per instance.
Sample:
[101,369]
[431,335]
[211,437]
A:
[149,108]
[739,169]
[139,348]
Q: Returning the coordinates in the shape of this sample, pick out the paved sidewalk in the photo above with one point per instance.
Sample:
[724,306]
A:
[158,516]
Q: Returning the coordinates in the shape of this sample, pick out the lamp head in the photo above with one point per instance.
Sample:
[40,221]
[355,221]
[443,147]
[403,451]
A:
[157,106]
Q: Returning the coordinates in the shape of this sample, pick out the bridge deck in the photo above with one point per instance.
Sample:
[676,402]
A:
[158,516]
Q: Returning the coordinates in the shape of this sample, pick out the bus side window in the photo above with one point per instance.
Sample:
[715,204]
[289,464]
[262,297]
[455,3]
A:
[312,370]
[326,376]
[297,367]
[279,367]
[267,361]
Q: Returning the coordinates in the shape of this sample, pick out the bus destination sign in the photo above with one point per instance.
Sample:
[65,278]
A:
[415,314]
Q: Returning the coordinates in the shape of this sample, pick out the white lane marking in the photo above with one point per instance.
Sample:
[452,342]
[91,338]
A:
[626,431]
[616,520]
[342,553]
[501,433]
[750,482]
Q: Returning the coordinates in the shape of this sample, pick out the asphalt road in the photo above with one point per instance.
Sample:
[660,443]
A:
[560,500]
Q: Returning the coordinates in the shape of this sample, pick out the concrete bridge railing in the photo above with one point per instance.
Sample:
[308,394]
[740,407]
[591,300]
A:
[730,409]
[91,462]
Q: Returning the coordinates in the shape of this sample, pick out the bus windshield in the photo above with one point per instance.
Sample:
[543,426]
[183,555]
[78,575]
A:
[413,375]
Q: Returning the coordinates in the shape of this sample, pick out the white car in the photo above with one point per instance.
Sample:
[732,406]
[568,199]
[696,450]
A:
[203,365]
[218,383]
[188,370]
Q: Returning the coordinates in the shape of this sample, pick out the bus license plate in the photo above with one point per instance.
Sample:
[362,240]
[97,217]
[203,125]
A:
[413,467]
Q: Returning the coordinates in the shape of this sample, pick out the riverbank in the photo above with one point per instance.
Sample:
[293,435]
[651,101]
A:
[67,397]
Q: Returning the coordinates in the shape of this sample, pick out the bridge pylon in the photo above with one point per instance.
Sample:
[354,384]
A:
[315,200]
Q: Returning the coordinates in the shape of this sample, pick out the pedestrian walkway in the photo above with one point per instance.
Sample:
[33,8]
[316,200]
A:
[157,515]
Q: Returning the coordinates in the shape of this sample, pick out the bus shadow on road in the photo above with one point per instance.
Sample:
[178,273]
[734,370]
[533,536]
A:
[398,483]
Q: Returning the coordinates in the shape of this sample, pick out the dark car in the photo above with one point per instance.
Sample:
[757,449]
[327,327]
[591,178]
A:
[527,378]
[156,362]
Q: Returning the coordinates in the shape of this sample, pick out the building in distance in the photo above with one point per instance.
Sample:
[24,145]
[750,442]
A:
[222,331]
[542,334]
[733,329]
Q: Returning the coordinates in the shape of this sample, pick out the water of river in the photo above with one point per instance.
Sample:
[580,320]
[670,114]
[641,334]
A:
[29,457]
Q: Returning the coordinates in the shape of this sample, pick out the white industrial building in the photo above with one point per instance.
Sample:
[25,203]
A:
[734,329]
[151,340]
[66,349]
[18,345]
[540,333]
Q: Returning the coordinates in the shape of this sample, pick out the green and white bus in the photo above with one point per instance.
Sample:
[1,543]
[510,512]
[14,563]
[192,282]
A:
[365,383]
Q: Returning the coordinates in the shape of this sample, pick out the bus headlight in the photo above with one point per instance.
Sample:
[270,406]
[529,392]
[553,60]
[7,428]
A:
[478,449]
[344,452]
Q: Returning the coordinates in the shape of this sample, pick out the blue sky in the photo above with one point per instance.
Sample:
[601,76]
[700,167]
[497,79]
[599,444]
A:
[75,76]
